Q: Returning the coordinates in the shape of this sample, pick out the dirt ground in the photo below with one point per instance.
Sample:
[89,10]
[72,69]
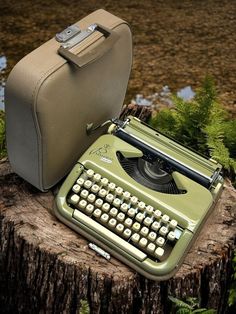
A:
[176,42]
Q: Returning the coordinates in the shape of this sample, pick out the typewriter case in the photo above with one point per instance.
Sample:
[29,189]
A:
[75,79]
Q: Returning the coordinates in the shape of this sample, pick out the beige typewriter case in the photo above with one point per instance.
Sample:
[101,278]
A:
[76,79]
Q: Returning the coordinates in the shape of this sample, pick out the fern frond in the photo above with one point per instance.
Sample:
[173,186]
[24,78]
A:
[179,303]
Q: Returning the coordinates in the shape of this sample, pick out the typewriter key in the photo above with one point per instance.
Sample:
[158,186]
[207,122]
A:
[128,222]
[159,252]
[127,233]
[152,236]
[84,193]
[139,217]
[160,241]
[76,188]
[74,199]
[151,247]
[143,242]
[173,224]
[90,173]
[113,212]
[89,209]
[136,226]
[120,217]
[120,228]
[155,226]
[88,184]
[135,237]
[112,222]
[144,231]
[171,236]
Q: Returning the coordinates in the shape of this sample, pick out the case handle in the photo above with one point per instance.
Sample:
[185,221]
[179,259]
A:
[110,39]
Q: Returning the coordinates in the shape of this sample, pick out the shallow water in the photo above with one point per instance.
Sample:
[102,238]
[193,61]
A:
[3,66]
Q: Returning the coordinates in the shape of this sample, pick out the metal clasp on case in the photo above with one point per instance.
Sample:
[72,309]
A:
[73,35]
[68,33]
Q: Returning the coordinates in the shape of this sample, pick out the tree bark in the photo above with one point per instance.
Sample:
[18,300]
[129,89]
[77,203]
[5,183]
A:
[48,268]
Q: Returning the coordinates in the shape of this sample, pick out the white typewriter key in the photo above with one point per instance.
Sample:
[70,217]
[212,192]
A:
[144,231]
[98,202]
[109,197]
[116,202]
[128,222]
[163,231]
[160,241]
[120,217]
[76,188]
[136,226]
[113,212]
[149,209]
[97,213]
[105,207]
[120,228]
[84,193]
[104,181]
[143,242]
[157,214]
[177,233]
[119,190]
[134,200]
[159,252]
[124,207]
[111,186]
[155,226]
[139,217]
[80,181]
[141,205]
[88,184]
[91,198]
[171,236]
[127,233]
[151,247]
[95,188]
[90,173]
[112,222]
[173,224]
[165,218]
[148,221]
[74,199]
[135,237]
[131,212]
[102,193]
[126,195]
[152,236]
[97,177]
[104,218]
[82,204]
[89,209]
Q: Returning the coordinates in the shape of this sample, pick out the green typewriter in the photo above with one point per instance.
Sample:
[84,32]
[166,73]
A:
[140,196]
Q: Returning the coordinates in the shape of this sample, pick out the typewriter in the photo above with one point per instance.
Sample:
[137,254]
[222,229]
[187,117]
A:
[140,196]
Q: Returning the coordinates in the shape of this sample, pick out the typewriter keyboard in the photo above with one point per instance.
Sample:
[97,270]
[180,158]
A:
[125,215]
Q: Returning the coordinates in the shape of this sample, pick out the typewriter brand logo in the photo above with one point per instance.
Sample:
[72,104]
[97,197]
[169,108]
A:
[102,152]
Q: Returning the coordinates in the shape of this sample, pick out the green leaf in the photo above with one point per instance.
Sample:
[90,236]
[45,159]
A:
[179,303]
[183,311]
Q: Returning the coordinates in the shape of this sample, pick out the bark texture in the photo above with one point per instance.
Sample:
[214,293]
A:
[47,268]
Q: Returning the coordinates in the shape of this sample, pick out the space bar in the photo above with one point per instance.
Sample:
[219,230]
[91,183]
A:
[109,235]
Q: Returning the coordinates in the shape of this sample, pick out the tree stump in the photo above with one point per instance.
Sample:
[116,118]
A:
[48,268]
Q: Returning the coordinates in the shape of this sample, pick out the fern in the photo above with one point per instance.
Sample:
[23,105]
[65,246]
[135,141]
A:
[189,307]
[84,307]
[201,124]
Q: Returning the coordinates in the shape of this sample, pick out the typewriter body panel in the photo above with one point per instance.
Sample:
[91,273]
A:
[148,227]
